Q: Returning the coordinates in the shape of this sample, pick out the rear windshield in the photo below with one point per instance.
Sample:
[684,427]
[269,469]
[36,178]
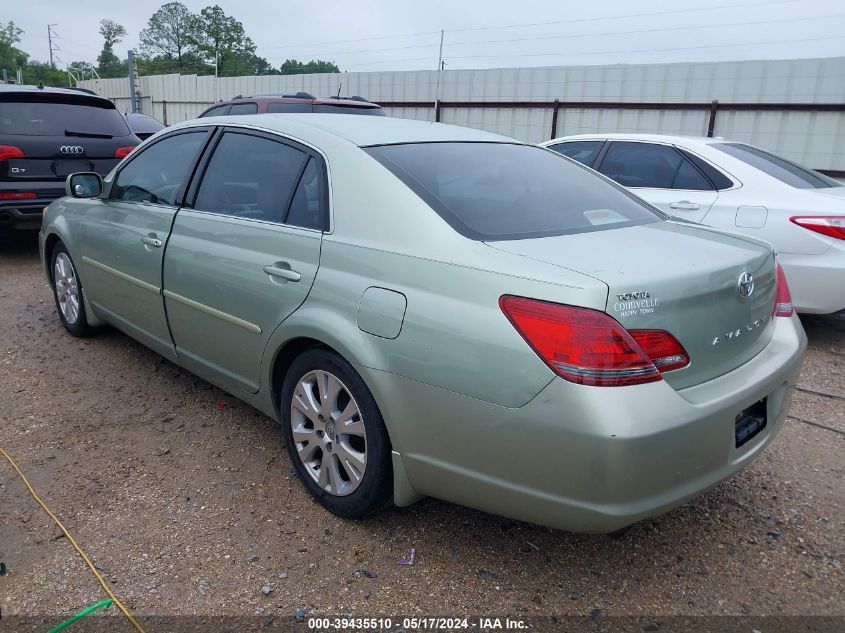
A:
[786,171]
[61,116]
[337,109]
[502,191]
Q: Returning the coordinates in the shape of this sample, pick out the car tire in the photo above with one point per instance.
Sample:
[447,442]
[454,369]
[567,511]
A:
[67,291]
[329,421]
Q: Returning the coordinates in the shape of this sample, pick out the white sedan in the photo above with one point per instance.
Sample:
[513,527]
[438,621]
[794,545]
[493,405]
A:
[739,188]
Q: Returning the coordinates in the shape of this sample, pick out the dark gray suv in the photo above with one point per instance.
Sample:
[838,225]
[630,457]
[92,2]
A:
[46,134]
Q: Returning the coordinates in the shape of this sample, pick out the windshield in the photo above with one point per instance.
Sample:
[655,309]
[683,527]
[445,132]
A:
[786,171]
[503,191]
[61,117]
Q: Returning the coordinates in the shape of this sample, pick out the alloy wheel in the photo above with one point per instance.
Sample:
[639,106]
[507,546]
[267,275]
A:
[329,432]
[67,288]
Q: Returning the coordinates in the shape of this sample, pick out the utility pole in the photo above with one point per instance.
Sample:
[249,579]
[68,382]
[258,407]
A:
[437,84]
[50,35]
[134,88]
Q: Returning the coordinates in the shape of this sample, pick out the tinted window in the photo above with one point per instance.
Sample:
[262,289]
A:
[719,180]
[289,107]
[305,209]
[689,178]
[641,164]
[786,171]
[250,177]
[337,109]
[243,108]
[499,191]
[157,173]
[62,116]
[217,111]
[582,151]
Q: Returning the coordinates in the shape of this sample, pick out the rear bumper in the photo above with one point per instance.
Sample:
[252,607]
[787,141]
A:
[817,282]
[587,459]
[23,216]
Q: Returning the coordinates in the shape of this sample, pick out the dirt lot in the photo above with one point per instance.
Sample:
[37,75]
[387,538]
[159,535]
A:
[186,500]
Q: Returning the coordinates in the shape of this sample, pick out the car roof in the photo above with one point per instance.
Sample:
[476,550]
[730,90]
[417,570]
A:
[341,101]
[658,138]
[362,131]
[27,89]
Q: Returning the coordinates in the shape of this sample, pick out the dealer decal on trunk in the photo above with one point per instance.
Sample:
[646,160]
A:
[640,302]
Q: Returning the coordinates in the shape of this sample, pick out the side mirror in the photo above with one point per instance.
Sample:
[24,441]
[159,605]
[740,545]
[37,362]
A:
[84,185]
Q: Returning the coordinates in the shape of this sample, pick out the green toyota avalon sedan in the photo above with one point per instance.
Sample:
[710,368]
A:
[433,310]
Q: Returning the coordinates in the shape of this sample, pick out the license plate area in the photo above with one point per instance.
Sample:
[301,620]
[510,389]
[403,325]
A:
[66,167]
[750,422]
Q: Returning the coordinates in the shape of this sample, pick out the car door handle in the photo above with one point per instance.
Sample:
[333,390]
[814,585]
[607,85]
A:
[152,240]
[685,205]
[276,270]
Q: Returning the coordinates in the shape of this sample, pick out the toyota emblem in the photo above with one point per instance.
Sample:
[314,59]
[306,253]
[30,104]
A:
[745,285]
[72,149]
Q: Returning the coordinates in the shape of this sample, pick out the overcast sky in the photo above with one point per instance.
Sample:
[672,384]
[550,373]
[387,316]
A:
[403,35]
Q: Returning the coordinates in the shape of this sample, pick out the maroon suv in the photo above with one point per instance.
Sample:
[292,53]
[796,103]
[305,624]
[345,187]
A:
[299,102]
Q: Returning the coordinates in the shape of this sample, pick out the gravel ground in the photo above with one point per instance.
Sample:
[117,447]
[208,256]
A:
[187,502]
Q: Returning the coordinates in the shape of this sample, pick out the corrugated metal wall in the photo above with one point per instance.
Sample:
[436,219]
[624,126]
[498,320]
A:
[816,139]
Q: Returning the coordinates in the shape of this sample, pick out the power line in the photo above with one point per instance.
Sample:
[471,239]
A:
[616,52]
[564,37]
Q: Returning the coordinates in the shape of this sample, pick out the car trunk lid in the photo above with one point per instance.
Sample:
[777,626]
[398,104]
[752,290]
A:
[679,278]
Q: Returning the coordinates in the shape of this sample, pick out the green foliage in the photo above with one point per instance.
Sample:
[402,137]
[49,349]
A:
[293,67]
[169,43]
[13,58]
[109,64]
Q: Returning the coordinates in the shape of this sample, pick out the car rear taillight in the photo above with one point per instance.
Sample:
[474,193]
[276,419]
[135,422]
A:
[10,151]
[830,225]
[17,195]
[587,346]
[662,348]
[124,151]
[783,298]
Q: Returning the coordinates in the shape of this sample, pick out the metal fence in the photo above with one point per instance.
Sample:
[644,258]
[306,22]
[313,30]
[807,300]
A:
[793,107]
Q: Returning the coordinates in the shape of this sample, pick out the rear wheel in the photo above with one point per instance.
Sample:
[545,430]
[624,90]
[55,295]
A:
[67,290]
[335,435]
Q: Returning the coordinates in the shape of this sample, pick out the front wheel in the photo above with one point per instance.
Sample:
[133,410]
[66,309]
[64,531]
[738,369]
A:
[335,435]
[67,291]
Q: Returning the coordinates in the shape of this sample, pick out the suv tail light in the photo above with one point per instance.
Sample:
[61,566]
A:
[10,151]
[830,225]
[123,151]
[783,298]
[17,195]
[589,347]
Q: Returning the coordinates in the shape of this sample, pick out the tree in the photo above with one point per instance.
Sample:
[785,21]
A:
[169,43]
[108,64]
[293,67]
[13,58]
[10,34]
[223,42]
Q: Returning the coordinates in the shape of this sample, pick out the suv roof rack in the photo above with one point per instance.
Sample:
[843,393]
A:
[298,95]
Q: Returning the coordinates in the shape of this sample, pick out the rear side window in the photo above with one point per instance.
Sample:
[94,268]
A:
[582,151]
[221,110]
[305,209]
[503,191]
[250,177]
[719,180]
[158,172]
[652,166]
[62,115]
[243,108]
[289,107]
[784,170]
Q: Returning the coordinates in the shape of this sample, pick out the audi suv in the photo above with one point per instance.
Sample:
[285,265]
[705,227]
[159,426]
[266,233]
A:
[47,134]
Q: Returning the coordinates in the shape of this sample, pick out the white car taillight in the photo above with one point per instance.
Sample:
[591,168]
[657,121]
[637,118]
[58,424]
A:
[830,225]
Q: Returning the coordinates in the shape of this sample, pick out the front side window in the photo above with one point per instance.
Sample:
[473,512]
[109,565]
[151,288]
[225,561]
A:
[504,191]
[158,173]
[784,170]
[651,166]
[250,177]
[582,151]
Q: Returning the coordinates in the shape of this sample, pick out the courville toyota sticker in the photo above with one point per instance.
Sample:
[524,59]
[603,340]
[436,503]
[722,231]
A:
[631,303]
